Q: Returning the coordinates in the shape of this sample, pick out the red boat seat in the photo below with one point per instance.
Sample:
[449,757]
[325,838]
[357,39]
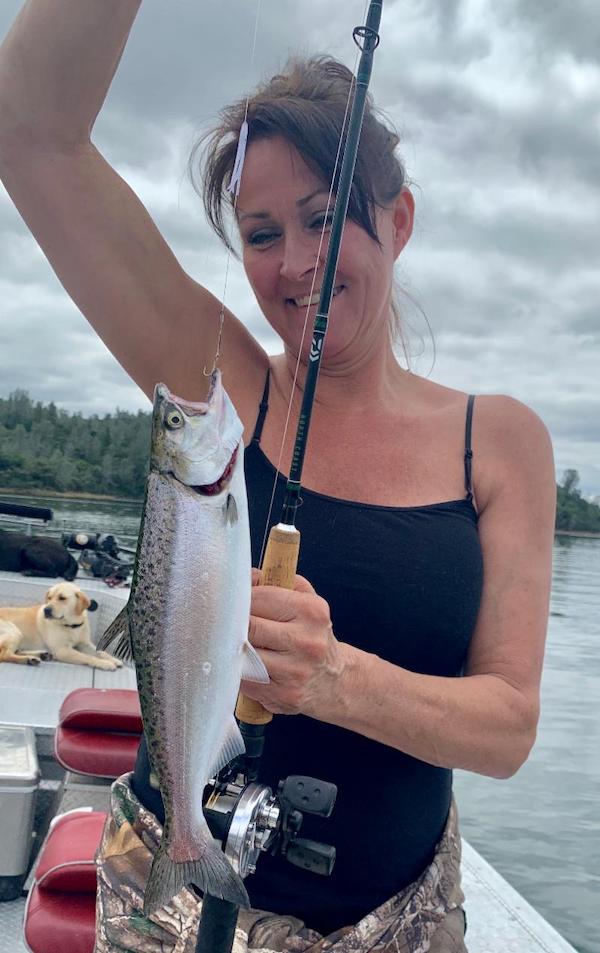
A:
[61,907]
[99,731]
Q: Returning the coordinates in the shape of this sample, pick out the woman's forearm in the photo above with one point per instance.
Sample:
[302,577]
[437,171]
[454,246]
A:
[56,66]
[479,723]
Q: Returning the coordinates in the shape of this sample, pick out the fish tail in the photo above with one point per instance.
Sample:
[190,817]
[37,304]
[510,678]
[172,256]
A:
[212,873]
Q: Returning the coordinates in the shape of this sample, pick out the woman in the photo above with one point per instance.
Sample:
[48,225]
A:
[428,519]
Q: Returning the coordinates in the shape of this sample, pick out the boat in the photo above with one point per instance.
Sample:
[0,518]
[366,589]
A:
[499,919]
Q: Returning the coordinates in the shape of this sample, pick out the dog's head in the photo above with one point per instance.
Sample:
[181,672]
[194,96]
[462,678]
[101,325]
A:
[67,602]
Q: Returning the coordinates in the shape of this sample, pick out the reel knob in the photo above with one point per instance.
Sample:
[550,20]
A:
[311,855]
[308,795]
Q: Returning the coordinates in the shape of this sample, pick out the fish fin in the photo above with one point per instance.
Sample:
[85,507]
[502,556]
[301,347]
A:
[211,872]
[230,510]
[117,638]
[253,667]
[233,746]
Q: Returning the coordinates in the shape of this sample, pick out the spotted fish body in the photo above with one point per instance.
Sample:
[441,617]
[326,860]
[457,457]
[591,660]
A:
[187,620]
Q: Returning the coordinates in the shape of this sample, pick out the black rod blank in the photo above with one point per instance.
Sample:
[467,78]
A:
[217,925]
[367,38]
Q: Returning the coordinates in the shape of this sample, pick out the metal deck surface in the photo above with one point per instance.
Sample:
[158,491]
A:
[11,927]
[499,919]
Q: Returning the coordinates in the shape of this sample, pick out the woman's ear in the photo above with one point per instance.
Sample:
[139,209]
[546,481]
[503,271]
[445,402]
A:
[403,219]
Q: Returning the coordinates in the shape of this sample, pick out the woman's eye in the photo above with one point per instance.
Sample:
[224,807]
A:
[324,219]
[261,238]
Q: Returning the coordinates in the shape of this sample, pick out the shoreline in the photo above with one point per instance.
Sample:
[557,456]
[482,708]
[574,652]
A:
[68,495]
[138,501]
[583,533]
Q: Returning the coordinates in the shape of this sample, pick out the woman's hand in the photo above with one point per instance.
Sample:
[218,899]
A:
[292,631]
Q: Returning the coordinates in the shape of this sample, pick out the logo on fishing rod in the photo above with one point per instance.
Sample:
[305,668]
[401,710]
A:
[315,349]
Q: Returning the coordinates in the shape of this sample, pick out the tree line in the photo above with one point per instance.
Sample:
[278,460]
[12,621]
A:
[572,511]
[45,448]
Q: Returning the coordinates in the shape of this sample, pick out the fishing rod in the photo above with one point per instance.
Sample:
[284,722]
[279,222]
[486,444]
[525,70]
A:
[246,815]
[283,546]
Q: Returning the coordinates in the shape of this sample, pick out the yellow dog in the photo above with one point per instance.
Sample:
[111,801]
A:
[59,628]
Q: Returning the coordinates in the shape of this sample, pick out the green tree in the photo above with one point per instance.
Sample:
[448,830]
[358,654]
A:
[572,511]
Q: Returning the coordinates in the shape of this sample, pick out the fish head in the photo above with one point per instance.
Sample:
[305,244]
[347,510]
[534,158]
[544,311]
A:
[196,443]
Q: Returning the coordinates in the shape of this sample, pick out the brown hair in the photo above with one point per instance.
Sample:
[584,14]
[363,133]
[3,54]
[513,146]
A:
[307,104]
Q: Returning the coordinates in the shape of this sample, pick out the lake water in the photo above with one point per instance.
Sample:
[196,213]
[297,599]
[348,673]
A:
[540,829]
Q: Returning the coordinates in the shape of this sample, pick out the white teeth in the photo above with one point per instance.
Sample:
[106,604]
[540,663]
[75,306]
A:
[305,302]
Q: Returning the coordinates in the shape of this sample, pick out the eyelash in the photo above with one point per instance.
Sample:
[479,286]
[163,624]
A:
[263,238]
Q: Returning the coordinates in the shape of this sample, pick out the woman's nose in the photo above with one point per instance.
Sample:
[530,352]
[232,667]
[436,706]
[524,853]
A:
[300,258]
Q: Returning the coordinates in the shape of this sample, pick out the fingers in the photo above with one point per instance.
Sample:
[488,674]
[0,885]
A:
[302,585]
[265,634]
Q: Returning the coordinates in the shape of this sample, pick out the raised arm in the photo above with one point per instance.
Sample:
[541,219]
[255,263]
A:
[56,65]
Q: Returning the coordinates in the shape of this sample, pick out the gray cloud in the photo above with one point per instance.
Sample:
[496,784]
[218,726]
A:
[572,26]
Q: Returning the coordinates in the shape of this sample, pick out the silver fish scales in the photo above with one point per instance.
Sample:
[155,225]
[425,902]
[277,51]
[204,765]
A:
[186,624]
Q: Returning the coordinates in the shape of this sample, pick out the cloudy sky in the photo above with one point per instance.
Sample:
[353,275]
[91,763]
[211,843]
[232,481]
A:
[498,106]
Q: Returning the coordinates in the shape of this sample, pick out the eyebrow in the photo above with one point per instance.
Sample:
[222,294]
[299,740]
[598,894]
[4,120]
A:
[300,203]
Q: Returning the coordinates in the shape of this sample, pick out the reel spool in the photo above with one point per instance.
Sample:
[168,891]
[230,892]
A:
[249,819]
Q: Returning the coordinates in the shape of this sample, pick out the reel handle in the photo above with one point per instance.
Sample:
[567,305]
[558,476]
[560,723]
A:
[279,569]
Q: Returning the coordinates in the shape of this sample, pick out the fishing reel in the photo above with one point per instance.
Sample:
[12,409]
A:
[249,819]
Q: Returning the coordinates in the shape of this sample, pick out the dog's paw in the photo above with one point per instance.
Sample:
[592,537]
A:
[106,664]
[33,661]
[46,657]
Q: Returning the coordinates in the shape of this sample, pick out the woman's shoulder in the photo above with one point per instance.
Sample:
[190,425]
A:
[500,419]
[508,423]
[512,447]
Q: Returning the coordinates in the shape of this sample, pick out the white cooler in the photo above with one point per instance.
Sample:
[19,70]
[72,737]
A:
[19,780]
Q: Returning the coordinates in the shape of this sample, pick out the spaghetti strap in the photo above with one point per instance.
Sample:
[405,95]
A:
[262,412]
[468,450]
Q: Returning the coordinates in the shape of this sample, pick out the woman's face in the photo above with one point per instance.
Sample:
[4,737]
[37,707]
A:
[281,211]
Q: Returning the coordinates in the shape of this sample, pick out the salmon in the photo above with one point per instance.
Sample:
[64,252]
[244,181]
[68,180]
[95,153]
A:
[186,627]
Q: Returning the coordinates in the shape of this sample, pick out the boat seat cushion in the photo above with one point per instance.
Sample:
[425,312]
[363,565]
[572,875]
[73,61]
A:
[60,923]
[61,906]
[67,860]
[102,709]
[99,732]
[94,753]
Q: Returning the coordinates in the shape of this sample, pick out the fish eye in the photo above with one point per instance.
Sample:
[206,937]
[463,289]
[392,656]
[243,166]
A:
[174,419]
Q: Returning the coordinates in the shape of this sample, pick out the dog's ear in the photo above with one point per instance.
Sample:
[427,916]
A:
[83,602]
[92,606]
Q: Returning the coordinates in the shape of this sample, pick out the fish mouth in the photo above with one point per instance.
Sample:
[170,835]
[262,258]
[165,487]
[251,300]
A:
[191,407]
[213,489]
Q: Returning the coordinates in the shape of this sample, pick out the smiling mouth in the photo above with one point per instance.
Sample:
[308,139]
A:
[309,301]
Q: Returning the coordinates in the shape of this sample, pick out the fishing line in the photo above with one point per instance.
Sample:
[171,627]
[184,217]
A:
[234,189]
[306,318]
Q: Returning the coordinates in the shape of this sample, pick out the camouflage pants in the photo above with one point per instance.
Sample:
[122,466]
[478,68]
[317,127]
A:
[424,918]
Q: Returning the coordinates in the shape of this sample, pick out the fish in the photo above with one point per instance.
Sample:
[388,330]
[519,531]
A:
[186,628]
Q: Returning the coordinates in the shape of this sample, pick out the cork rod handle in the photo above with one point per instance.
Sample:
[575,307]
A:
[279,569]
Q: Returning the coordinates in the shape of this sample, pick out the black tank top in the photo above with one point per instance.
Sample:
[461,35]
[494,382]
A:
[403,583]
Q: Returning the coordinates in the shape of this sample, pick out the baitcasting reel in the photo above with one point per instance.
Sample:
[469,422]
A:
[248,818]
